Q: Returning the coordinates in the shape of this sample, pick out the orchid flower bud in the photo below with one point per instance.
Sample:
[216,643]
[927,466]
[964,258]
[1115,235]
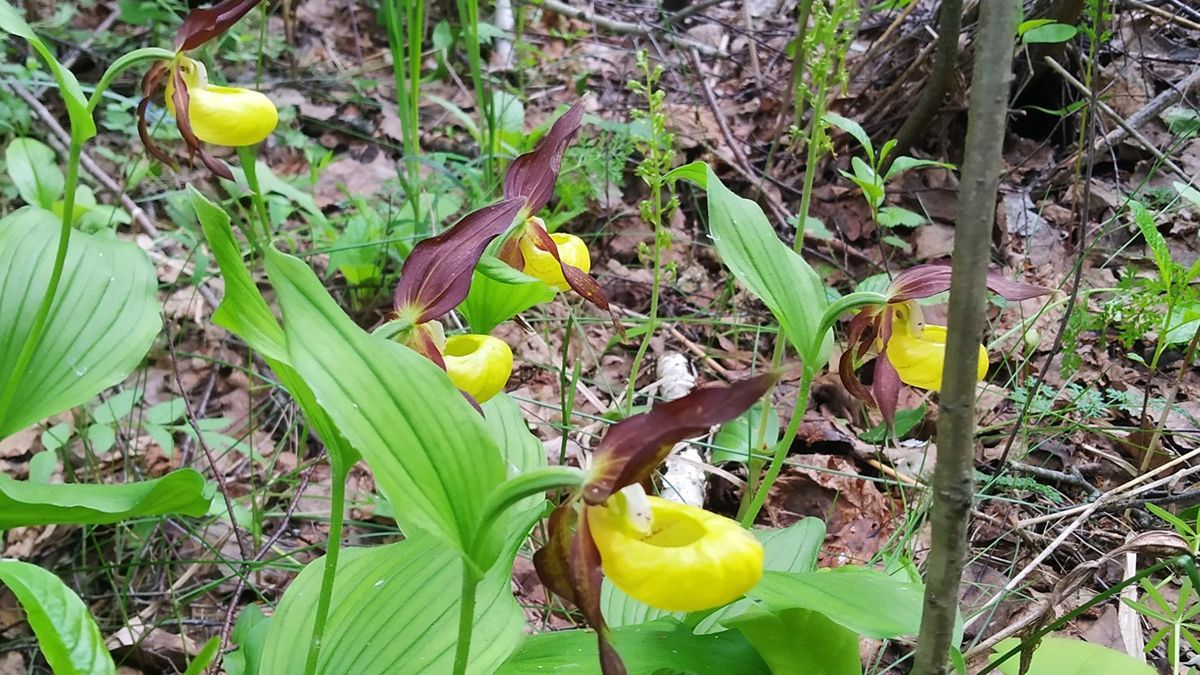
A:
[542,265]
[478,364]
[229,116]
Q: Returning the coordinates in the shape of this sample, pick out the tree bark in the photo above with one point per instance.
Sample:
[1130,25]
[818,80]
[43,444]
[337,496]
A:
[953,481]
[944,66]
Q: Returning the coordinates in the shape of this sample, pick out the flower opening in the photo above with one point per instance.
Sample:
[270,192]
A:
[690,560]
[478,364]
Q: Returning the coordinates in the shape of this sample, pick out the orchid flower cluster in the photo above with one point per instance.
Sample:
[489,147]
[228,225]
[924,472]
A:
[906,349]
[204,112]
[436,276]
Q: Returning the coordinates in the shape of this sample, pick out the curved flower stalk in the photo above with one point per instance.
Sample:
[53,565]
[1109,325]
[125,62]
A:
[670,556]
[904,348]
[204,112]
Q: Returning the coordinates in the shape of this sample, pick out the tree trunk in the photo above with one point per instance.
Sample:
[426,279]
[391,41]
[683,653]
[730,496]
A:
[953,481]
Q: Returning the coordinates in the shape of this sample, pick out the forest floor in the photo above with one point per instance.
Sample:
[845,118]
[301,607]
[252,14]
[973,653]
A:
[1079,386]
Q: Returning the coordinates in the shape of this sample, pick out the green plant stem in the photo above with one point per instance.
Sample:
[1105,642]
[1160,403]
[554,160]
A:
[468,16]
[652,316]
[781,448]
[123,63]
[466,619]
[803,10]
[248,158]
[333,547]
[816,144]
[38,328]
[755,464]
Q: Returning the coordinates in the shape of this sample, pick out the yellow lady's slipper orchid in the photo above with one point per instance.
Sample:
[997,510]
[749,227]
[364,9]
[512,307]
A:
[478,364]
[542,265]
[920,358]
[229,116]
[689,560]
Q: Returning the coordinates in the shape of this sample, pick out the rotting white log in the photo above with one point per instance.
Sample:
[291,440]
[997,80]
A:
[684,479]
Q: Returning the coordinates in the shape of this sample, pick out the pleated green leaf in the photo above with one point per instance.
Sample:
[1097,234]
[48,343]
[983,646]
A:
[792,637]
[22,503]
[65,630]
[431,453]
[395,610]
[245,313]
[865,601]
[769,269]
[101,325]
[665,645]
[498,293]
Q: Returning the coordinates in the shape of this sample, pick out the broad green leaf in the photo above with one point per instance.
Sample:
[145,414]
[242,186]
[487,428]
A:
[906,420]
[167,412]
[66,632]
[34,170]
[430,451]
[790,549]
[82,125]
[522,451]
[41,466]
[204,657]
[794,636]
[770,269]
[865,601]
[244,312]
[1049,33]
[854,129]
[1065,656]
[116,407]
[906,163]
[664,645]
[1182,324]
[895,216]
[1191,194]
[100,326]
[23,503]
[498,293]
[736,441]
[250,635]
[395,610]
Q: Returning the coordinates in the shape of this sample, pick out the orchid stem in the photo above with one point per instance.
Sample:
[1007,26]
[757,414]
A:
[333,547]
[38,328]
[781,448]
[248,158]
[754,464]
[466,618]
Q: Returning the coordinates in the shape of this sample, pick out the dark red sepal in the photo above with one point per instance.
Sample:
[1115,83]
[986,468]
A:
[581,282]
[206,23]
[569,565]
[634,447]
[151,81]
[885,385]
[534,174]
[923,281]
[437,274]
